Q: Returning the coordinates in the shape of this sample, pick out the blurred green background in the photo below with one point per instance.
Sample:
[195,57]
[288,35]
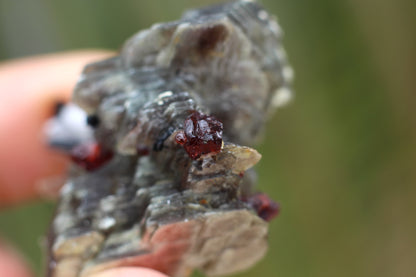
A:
[340,159]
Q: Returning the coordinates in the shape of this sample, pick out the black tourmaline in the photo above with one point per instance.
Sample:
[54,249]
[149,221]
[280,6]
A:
[164,183]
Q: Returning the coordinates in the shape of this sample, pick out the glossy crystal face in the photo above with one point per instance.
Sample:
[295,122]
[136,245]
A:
[202,134]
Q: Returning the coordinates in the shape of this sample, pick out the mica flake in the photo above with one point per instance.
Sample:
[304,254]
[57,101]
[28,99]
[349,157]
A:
[166,179]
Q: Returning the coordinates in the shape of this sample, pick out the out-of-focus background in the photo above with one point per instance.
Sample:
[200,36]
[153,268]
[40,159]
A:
[341,159]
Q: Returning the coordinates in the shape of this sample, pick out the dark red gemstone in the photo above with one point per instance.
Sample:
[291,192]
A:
[202,135]
[142,150]
[90,156]
[264,206]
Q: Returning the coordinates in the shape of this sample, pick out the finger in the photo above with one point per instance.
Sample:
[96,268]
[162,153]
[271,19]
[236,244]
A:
[129,272]
[29,89]
[11,263]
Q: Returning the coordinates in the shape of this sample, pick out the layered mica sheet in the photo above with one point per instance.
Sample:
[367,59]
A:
[151,204]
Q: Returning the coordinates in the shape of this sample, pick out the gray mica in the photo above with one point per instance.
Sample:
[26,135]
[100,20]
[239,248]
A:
[226,61]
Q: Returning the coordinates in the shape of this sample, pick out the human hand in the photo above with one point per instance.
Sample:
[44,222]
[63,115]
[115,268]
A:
[29,89]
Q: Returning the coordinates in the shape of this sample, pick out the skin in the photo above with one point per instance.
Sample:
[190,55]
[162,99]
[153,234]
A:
[29,89]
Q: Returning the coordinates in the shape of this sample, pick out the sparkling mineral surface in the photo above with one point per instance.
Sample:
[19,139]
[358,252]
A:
[165,180]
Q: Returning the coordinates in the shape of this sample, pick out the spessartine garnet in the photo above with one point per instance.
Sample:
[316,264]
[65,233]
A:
[264,206]
[202,134]
[90,156]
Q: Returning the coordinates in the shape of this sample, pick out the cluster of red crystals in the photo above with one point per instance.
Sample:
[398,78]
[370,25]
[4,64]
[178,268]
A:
[264,206]
[90,156]
[202,134]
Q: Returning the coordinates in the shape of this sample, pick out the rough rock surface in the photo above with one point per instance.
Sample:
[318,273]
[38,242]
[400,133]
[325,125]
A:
[135,197]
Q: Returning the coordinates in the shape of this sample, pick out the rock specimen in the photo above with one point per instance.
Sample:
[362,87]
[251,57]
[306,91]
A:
[165,182]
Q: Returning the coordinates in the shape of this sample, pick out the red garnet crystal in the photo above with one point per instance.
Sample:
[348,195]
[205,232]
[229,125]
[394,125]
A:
[264,206]
[90,156]
[202,134]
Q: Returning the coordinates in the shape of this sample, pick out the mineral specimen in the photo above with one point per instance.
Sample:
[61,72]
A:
[165,183]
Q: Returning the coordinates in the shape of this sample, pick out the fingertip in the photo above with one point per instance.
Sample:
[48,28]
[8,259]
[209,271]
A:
[25,157]
[11,264]
[129,272]
[29,90]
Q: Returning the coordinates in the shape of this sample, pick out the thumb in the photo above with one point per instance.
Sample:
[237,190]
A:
[29,89]
[129,272]
[11,264]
